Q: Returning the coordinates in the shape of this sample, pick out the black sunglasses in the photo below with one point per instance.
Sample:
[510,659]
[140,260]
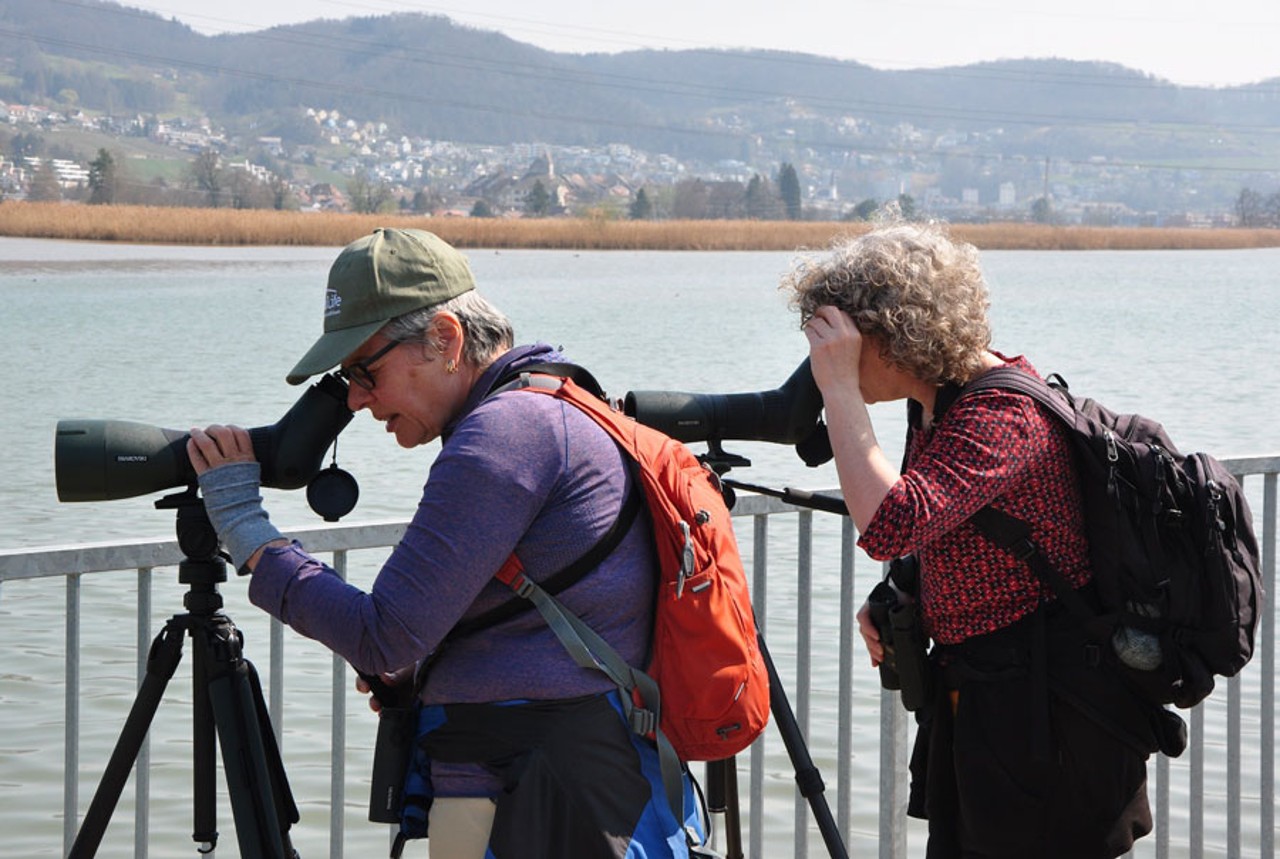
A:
[359,372]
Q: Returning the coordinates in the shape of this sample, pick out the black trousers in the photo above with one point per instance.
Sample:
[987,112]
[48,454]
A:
[1006,766]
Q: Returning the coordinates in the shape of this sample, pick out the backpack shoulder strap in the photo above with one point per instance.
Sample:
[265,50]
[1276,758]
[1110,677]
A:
[1014,536]
[562,369]
[1009,532]
[562,579]
[638,693]
[565,578]
[1051,394]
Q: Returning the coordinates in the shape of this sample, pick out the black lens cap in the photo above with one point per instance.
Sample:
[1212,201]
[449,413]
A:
[333,493]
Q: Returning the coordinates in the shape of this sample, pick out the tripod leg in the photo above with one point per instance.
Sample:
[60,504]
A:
[244,759]
[722,779]
[162,661]
[286,808]
[732,815]
[204,759]
[807,776]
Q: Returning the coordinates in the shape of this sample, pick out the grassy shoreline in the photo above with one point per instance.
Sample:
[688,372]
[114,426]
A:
[232,227]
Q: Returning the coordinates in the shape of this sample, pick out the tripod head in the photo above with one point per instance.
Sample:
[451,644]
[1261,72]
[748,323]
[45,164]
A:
[203,566]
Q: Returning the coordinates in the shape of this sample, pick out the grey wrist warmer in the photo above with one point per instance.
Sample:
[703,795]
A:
[235,509]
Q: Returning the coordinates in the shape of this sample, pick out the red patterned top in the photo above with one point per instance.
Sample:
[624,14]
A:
[993,447]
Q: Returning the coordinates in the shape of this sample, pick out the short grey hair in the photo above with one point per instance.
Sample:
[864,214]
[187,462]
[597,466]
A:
[486,330]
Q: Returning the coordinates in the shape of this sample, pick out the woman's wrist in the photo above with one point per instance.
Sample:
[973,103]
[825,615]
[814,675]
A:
[233,501]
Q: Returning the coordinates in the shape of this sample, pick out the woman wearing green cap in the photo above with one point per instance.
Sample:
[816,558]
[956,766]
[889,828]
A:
[529,755]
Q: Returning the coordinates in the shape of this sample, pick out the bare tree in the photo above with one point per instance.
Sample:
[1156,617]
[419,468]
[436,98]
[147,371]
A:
[208,177]
[44,187]
[1250,208]
[690,200]
[368,197]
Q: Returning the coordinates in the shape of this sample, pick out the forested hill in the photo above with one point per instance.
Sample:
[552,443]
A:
[424,75]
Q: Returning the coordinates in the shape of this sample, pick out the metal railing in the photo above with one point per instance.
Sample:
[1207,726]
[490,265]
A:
[825,676]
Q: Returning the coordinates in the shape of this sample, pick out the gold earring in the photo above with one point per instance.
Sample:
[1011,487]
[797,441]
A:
[451,366]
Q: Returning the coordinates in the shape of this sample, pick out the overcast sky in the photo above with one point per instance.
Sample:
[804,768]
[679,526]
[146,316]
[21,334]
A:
[1190,42]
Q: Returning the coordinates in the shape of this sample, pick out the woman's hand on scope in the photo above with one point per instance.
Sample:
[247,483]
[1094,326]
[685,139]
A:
[219,445]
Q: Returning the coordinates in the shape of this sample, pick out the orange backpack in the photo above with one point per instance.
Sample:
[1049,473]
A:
[706,688]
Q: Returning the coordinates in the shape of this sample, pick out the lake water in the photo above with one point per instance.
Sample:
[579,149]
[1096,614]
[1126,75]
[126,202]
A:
[180,337]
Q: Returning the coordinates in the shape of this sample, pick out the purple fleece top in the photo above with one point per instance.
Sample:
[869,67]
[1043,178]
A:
[516,472]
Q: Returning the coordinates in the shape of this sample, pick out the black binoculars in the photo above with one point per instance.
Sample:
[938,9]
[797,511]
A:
[905,666]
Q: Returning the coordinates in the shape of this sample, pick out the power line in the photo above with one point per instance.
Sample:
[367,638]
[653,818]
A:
[364,48]
[525,70]
[990,72]
[640,41]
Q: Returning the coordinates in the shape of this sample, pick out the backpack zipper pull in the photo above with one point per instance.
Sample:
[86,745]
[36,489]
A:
[1215,506]
[686,559]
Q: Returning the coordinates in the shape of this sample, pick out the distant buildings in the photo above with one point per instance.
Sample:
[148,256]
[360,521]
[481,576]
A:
[881,164]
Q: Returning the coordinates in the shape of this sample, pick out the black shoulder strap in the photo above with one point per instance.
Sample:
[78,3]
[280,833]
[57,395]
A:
[564,578]
[570,575]
[1014,536]
[1009,532]
[946,395]
[1051,396]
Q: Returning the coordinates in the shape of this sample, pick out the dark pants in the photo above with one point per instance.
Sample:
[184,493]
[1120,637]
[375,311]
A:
[578,782]
[1005,766]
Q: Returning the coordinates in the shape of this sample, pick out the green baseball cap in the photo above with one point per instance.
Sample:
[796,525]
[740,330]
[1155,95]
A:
[375,279]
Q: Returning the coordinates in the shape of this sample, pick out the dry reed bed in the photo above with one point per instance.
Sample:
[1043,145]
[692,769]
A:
[151,225]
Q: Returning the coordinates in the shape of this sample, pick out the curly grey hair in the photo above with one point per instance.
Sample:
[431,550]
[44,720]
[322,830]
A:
[486,330]
[909,285]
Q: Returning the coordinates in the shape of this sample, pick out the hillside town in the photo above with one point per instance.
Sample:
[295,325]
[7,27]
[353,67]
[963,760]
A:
[353,164]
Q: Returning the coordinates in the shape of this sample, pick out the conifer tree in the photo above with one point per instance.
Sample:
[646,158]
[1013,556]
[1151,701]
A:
[789,190]
[104,179]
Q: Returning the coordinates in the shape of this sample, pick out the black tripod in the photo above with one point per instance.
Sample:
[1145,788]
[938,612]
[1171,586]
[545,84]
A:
[226,695]
[722,776]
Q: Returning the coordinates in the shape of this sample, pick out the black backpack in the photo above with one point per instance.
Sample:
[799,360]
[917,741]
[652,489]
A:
[1171,544]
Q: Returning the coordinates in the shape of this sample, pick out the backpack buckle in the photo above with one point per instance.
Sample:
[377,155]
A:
[1023,550]
[1092,655]
[522,585]
[643,722]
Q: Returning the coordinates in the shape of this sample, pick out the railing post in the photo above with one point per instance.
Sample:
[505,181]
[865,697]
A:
[1267,688]
[71,719]
[1195,809]
[1233,766]
[804,658]
[338,739]
[844,722]
[142,768]
[893,774]
[760,602]
[1162,806]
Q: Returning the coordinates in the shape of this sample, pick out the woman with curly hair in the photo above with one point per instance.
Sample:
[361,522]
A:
[1010,758]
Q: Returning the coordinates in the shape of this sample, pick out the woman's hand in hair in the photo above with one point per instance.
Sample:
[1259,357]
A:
[835,348]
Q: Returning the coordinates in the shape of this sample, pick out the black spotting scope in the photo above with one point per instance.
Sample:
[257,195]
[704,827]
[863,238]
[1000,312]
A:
[790,414]
[100,460]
